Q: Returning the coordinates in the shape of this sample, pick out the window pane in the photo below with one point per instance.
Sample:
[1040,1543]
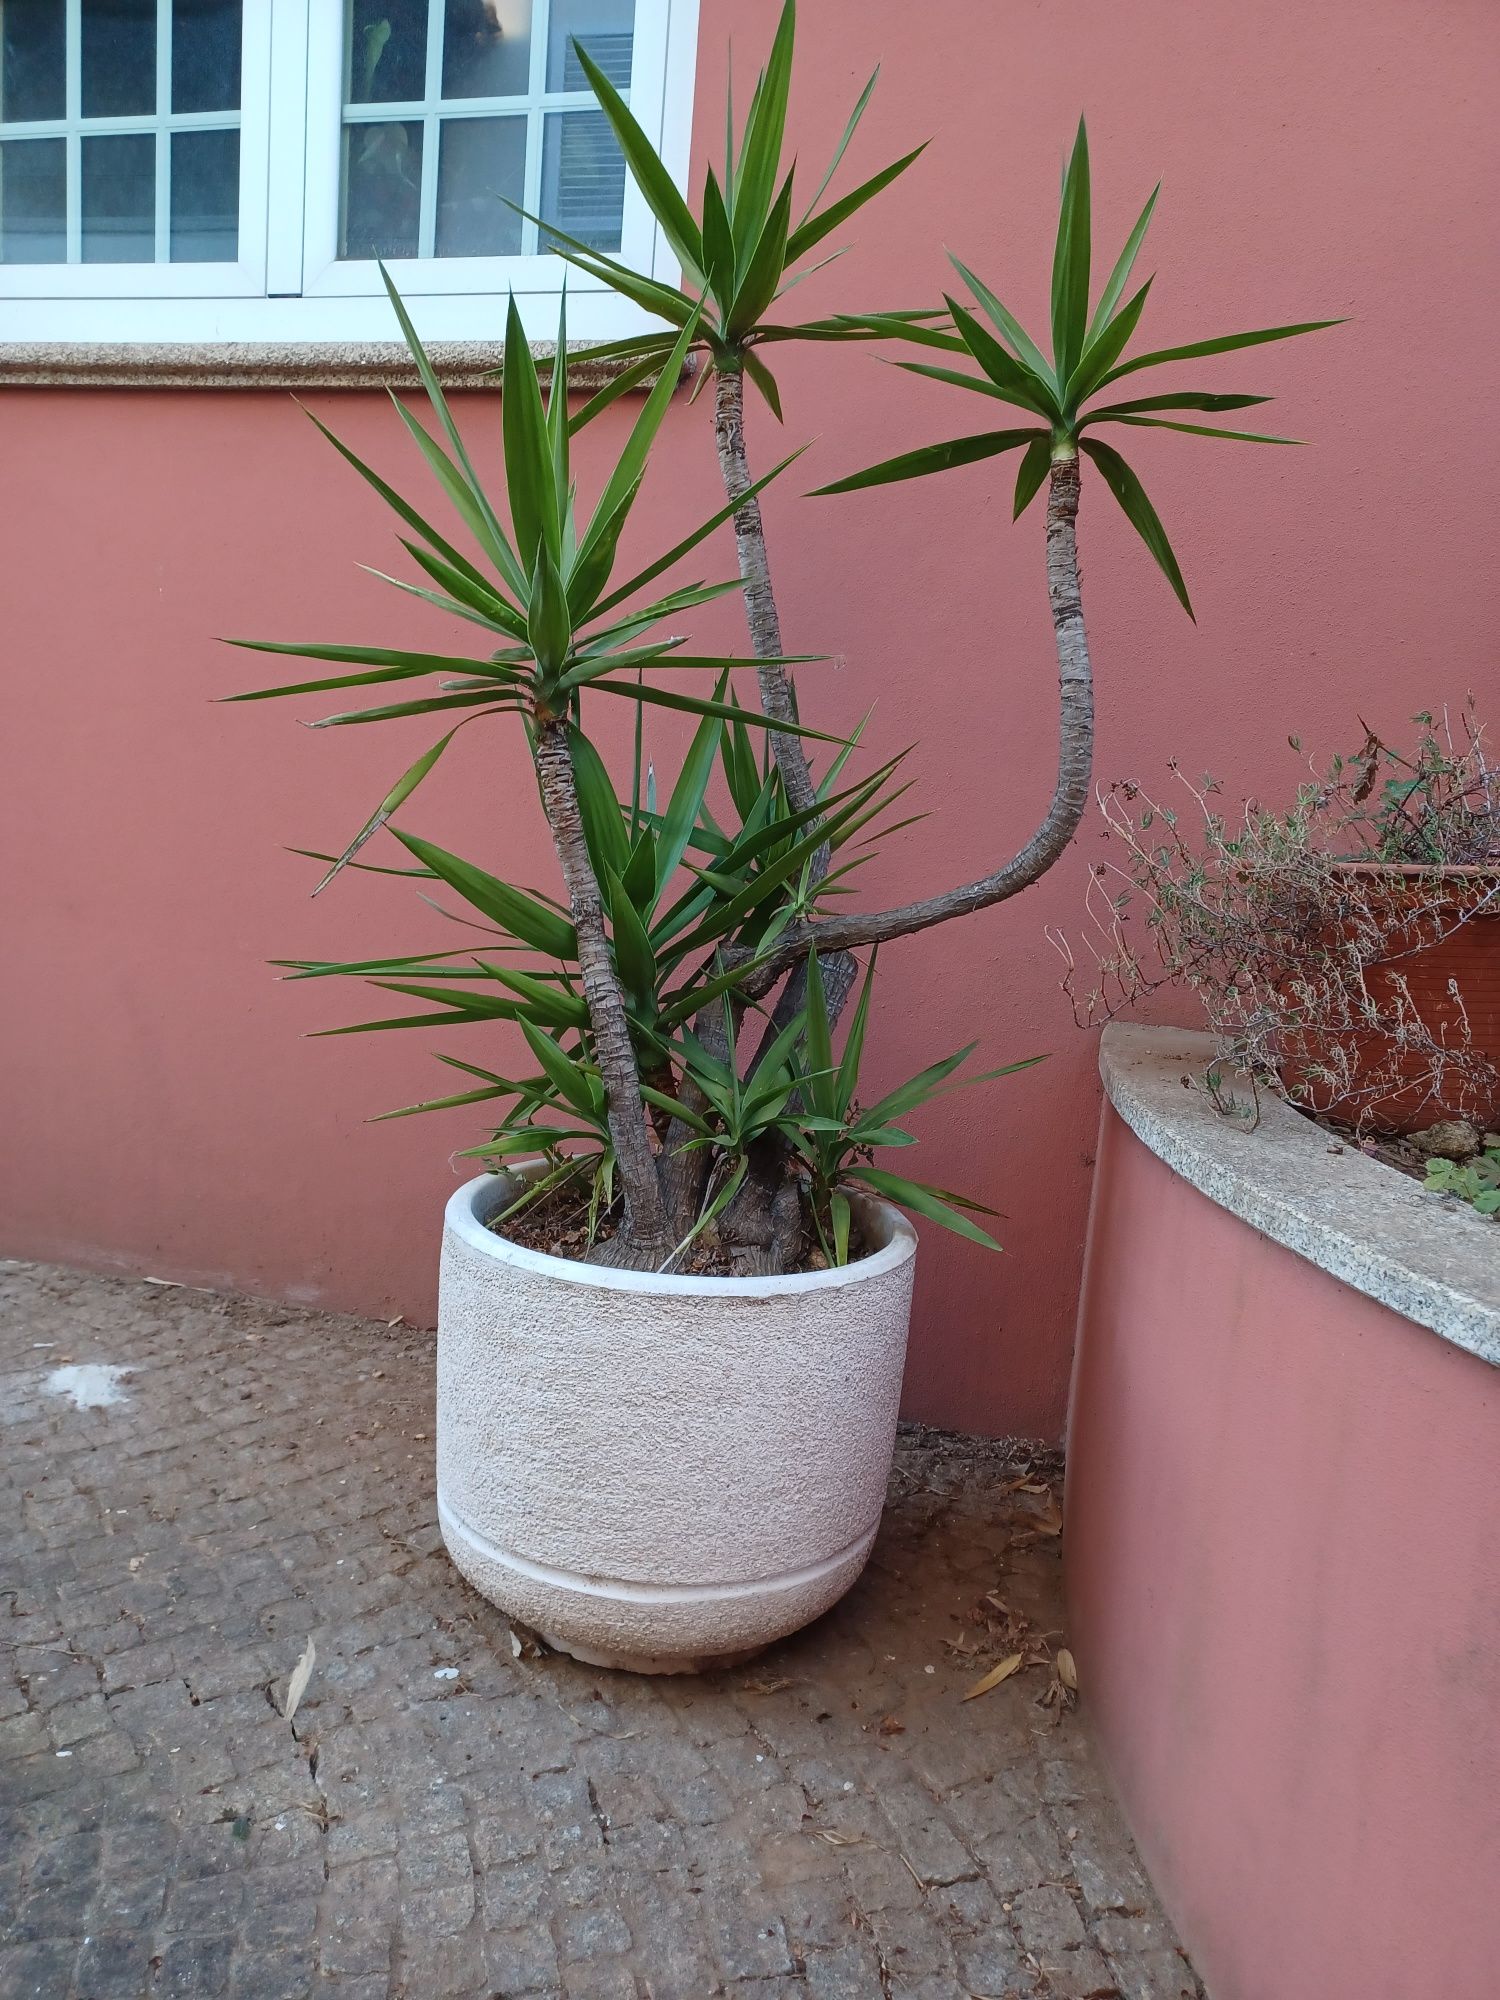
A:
[382,190]
[33,201]
[206,55]
[387,50]
[119,58]
[205,197]
[583,178]
[32,77]
[605,29]
[119,199]
[481,165]
[486,48]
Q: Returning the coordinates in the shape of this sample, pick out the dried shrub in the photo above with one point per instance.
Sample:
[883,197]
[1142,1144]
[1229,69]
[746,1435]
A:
[1296,929]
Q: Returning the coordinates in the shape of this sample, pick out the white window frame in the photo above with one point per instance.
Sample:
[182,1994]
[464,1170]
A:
[288,285]
[77,281]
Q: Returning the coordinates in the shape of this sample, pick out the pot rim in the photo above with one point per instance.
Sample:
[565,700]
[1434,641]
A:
[467,1206]
[1467,871]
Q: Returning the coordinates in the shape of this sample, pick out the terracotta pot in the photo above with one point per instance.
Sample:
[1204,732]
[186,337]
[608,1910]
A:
[1455,941]
[663,1473]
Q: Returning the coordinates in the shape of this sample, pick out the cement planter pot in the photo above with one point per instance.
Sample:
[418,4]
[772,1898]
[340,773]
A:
[662,1473]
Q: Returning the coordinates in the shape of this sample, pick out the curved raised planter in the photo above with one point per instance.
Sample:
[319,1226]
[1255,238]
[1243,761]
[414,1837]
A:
[662,1473]
[1283,1542]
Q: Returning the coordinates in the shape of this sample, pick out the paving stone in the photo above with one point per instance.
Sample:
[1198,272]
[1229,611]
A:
[114,1965]
[193,1967]
[936,1853]
[992,1968]
[592,1933]
[287,1972]
[520,1961]
[1081,1975]
[599,1980]
[40,1970]
[1160,1975]
[1105,1867]
[750,1942]
[850,1973]
[912,1942]
[1012,1863]
[534,1829]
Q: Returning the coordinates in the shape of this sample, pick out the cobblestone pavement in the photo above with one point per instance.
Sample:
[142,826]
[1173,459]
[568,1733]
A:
[441,1817]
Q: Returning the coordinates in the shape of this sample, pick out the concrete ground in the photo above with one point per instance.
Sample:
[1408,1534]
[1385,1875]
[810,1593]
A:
[448,1812]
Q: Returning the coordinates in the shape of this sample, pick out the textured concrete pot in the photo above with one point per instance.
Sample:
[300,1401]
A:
[662,1473]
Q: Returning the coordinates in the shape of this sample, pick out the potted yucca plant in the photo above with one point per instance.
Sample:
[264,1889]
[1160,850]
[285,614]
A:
[673,1311]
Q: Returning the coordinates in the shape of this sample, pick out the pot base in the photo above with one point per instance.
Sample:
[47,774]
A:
[650,1628]
[649,1663]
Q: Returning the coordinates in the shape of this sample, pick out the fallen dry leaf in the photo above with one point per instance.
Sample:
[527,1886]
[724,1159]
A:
[296,1687]
[525,1645]
[1011,1664]
[772,1684]
[892,1725]
[837,1839]
[1067,1671]
[1049,1521]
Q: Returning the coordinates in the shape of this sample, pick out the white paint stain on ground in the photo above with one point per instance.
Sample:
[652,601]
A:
[90,1385]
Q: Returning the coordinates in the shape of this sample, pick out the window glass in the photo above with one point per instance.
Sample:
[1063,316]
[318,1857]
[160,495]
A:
[583,178]
[387,51]
[205,197]
[486,49]
[33,65]
[205,55]
[119,199]
[109,213]
[382,189]
[441,185]
[33,201]
[606,30]
[118,66]
[482,166]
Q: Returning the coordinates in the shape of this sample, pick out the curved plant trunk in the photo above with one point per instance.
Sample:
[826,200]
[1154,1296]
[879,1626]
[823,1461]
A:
[761,1230]
[645,1240]
[1074,769]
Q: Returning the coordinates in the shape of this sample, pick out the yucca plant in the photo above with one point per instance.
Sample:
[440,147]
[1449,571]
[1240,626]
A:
[744,248]
[837,1136]
[1088,354]
[738,230]
[665,1070]
[667,910]
[548,592]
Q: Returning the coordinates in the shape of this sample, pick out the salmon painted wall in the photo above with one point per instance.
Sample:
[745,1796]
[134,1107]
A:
[1283,1533]
[162,1112]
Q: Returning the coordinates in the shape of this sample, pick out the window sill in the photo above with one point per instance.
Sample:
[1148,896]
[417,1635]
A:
[340,364]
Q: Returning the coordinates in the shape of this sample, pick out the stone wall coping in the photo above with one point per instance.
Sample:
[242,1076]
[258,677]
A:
[341,364]
[1429,1258]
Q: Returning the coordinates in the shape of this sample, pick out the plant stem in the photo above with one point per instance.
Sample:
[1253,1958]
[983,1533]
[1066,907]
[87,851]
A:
[646,1229]
[760,603]
[776,695]
[1070,794]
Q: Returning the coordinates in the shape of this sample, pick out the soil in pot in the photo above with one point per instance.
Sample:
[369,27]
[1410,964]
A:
[557,1224]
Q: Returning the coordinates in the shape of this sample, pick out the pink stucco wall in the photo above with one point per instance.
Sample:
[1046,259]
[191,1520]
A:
[1282,1550]
[161,1112]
